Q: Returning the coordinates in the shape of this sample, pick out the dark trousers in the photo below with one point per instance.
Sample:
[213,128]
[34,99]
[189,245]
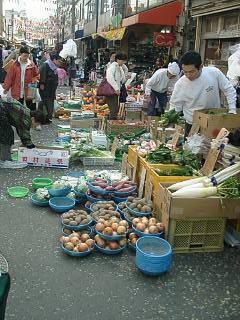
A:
[187,130]
[4,290]
[29,104]
[162,100]
[49,105]
[113,103]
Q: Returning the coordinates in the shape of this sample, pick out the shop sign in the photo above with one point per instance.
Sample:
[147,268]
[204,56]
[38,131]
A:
[163,39]
[116,21]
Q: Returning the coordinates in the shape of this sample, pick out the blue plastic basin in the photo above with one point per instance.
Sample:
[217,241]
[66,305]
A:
[61,204]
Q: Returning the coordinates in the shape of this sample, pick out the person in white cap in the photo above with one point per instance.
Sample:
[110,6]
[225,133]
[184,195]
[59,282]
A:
[200,88]
[157,87]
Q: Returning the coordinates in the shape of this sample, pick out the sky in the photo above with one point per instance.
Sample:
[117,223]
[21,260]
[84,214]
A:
[35,9]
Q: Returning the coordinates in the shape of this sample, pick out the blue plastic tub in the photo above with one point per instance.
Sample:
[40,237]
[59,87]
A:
[124,194]
[109,252]
[61,204]
[88,230]
[76,174]
[92,205]
[110,238]
[92,199]
[79,227]
[81,197]
[97,190]
[142,234]
[76,254]
[59,192]
[153,255]
[137,213]
[118,200]
[37,202]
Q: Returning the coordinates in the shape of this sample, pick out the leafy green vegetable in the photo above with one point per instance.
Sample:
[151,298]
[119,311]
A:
[184,171]
[171,117]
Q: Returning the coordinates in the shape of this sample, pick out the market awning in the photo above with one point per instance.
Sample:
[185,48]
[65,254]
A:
[116,34]
[165,15]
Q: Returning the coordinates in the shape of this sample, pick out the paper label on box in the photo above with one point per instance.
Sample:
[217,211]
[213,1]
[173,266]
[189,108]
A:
[210,161]
[44,157]
[142,182]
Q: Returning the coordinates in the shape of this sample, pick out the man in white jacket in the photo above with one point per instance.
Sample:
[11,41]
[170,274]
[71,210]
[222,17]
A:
[200,88]
[115,77]
[158,85]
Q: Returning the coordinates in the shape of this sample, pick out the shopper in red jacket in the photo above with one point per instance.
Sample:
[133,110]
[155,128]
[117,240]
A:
[22,73]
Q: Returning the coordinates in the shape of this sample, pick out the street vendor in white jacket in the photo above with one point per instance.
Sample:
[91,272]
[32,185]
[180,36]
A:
[200,88]
[115,77]
[157,87]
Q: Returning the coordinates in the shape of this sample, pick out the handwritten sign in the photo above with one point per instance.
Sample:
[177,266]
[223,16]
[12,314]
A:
[142,182]
[210,161]
[114,146]
[124,163]
[135,167]
[149,187]
[44,157]
[195,129]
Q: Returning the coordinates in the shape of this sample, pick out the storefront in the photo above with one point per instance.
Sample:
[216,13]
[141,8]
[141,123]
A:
[151,33]
[217,31]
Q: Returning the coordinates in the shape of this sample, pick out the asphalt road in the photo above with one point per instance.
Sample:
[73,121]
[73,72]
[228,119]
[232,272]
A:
[48,285]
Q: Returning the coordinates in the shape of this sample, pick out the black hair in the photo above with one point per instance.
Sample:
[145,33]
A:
[113,52]
[23,43]
[191,58]
[24,50]
[38,116]
[120,56]
[55,56]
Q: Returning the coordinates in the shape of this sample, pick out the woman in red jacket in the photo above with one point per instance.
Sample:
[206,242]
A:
[22,73]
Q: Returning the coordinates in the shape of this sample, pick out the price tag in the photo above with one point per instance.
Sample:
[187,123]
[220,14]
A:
[129,171]
[124,163]
[142,182]
[149,187]
[135,167]
[210,161]
[114,146]
[195,128]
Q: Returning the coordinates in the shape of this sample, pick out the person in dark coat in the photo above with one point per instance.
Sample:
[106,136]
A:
[48,84]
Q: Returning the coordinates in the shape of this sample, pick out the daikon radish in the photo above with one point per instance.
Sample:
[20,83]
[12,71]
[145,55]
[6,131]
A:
[195,192]
[186,183]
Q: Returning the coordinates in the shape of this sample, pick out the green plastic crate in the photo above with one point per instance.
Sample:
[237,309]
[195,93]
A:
[197,234]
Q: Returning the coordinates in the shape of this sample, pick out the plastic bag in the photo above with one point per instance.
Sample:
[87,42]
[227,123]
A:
[69,49]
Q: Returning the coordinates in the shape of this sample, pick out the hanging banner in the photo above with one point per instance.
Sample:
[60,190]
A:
[116,34]
[163,39]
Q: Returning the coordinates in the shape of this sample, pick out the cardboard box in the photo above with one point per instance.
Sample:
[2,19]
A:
[211,124]
[49,157]
[183,208]
[82,124]
[133,115]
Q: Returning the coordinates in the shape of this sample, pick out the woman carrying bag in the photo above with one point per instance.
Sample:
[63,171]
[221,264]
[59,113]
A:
[115,77]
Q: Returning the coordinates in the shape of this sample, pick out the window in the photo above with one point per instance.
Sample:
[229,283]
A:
[105,5]
[131,7]
[142,5]
[90,10]
[231,22]
[212,24]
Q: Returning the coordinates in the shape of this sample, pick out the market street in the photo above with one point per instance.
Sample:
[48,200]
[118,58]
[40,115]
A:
[47,284]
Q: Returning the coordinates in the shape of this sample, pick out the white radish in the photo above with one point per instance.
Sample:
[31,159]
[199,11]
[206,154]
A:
[186,183]
[195,192]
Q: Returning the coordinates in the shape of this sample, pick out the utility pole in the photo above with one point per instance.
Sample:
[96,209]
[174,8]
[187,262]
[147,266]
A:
[74,2]
[12,18]
[1,18]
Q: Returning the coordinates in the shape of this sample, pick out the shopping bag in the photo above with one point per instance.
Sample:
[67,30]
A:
[31,91]
[105,89]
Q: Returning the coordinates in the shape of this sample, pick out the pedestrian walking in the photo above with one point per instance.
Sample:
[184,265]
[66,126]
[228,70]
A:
[48,84]
[22,76]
